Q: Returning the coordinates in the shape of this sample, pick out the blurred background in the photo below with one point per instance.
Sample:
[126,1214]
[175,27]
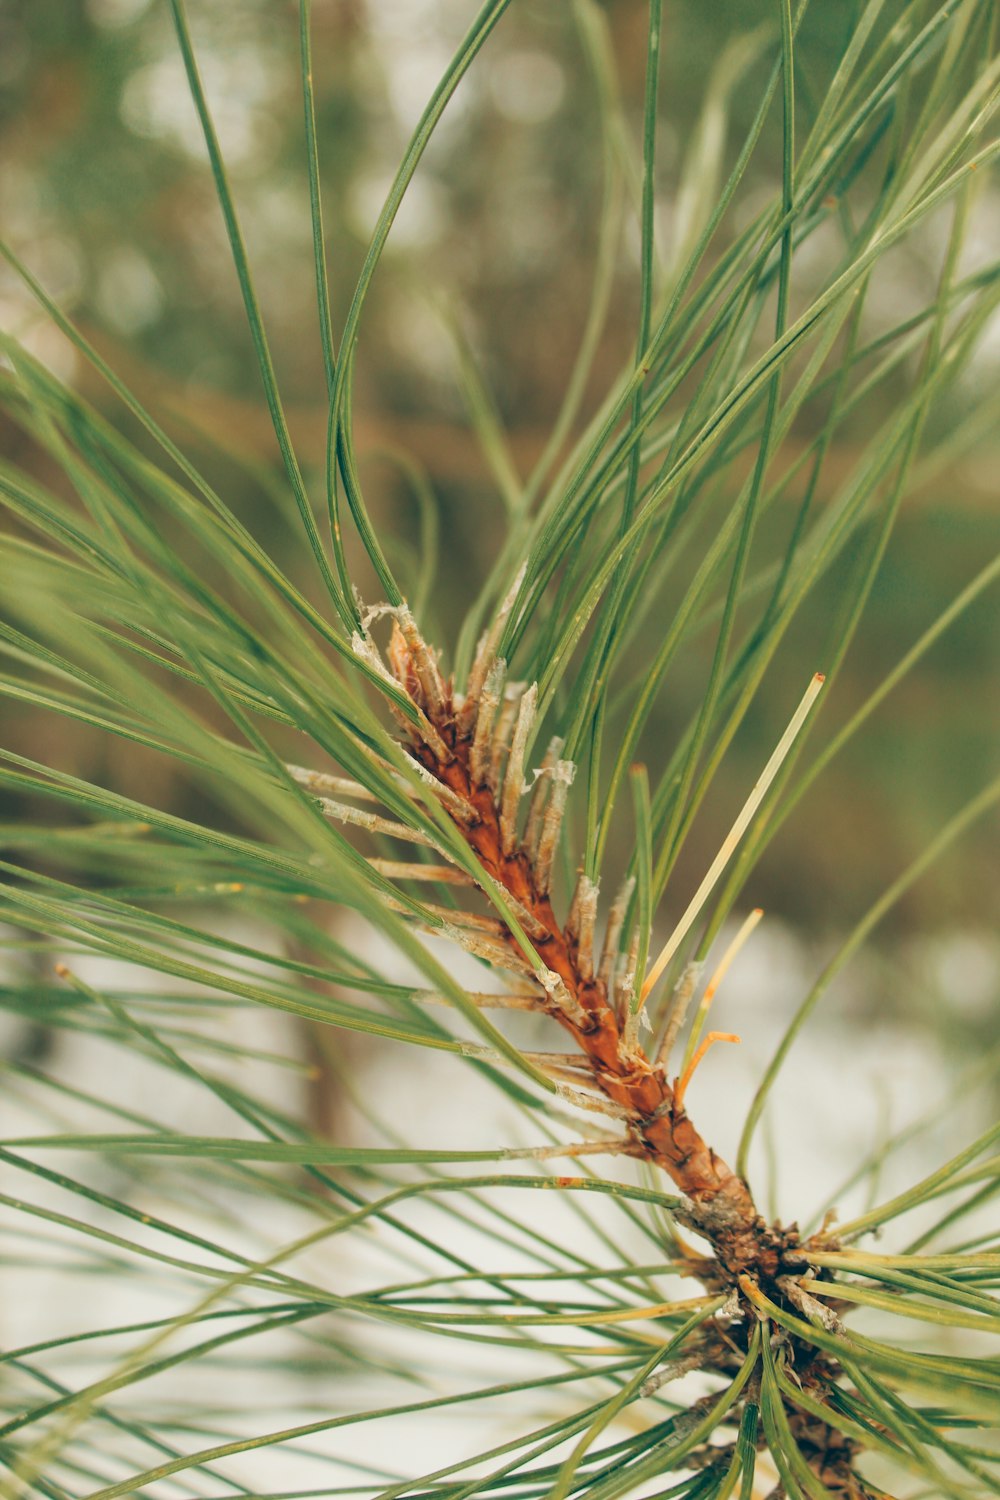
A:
[106,194]
[104,190]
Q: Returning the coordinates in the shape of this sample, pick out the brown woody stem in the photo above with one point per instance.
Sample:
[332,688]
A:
[664,1134]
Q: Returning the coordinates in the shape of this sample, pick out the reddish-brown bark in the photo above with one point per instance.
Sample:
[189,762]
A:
[663,1133]
[746,1250]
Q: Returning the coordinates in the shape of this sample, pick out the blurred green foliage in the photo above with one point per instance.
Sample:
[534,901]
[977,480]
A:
[106,193]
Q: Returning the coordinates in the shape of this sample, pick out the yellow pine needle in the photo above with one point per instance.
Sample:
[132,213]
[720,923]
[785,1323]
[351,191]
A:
[587,1319]
[722,969]
[734,835]
[680,1087]
[632,1314]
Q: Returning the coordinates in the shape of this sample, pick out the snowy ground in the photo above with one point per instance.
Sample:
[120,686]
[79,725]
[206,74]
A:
[848,1085]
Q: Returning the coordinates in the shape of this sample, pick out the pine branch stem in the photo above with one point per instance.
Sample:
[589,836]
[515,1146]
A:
[625,1082]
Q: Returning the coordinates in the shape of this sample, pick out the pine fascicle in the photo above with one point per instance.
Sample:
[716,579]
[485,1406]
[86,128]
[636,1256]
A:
[581,922]
[513,785]
[394,869]
[502,732]
[460,807]
[539,796]
[357,817]
[532,926]
[673,1370]
[499,955]
[322,782]
[562,776]
[489,927]
[557,1065]
[628,1016]
[485,655]
[561,997]
[489,702]
[616,921]
[425,666]
[625,983]
[599,1103]
[487,1001]
[366,650]
[680,1004]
